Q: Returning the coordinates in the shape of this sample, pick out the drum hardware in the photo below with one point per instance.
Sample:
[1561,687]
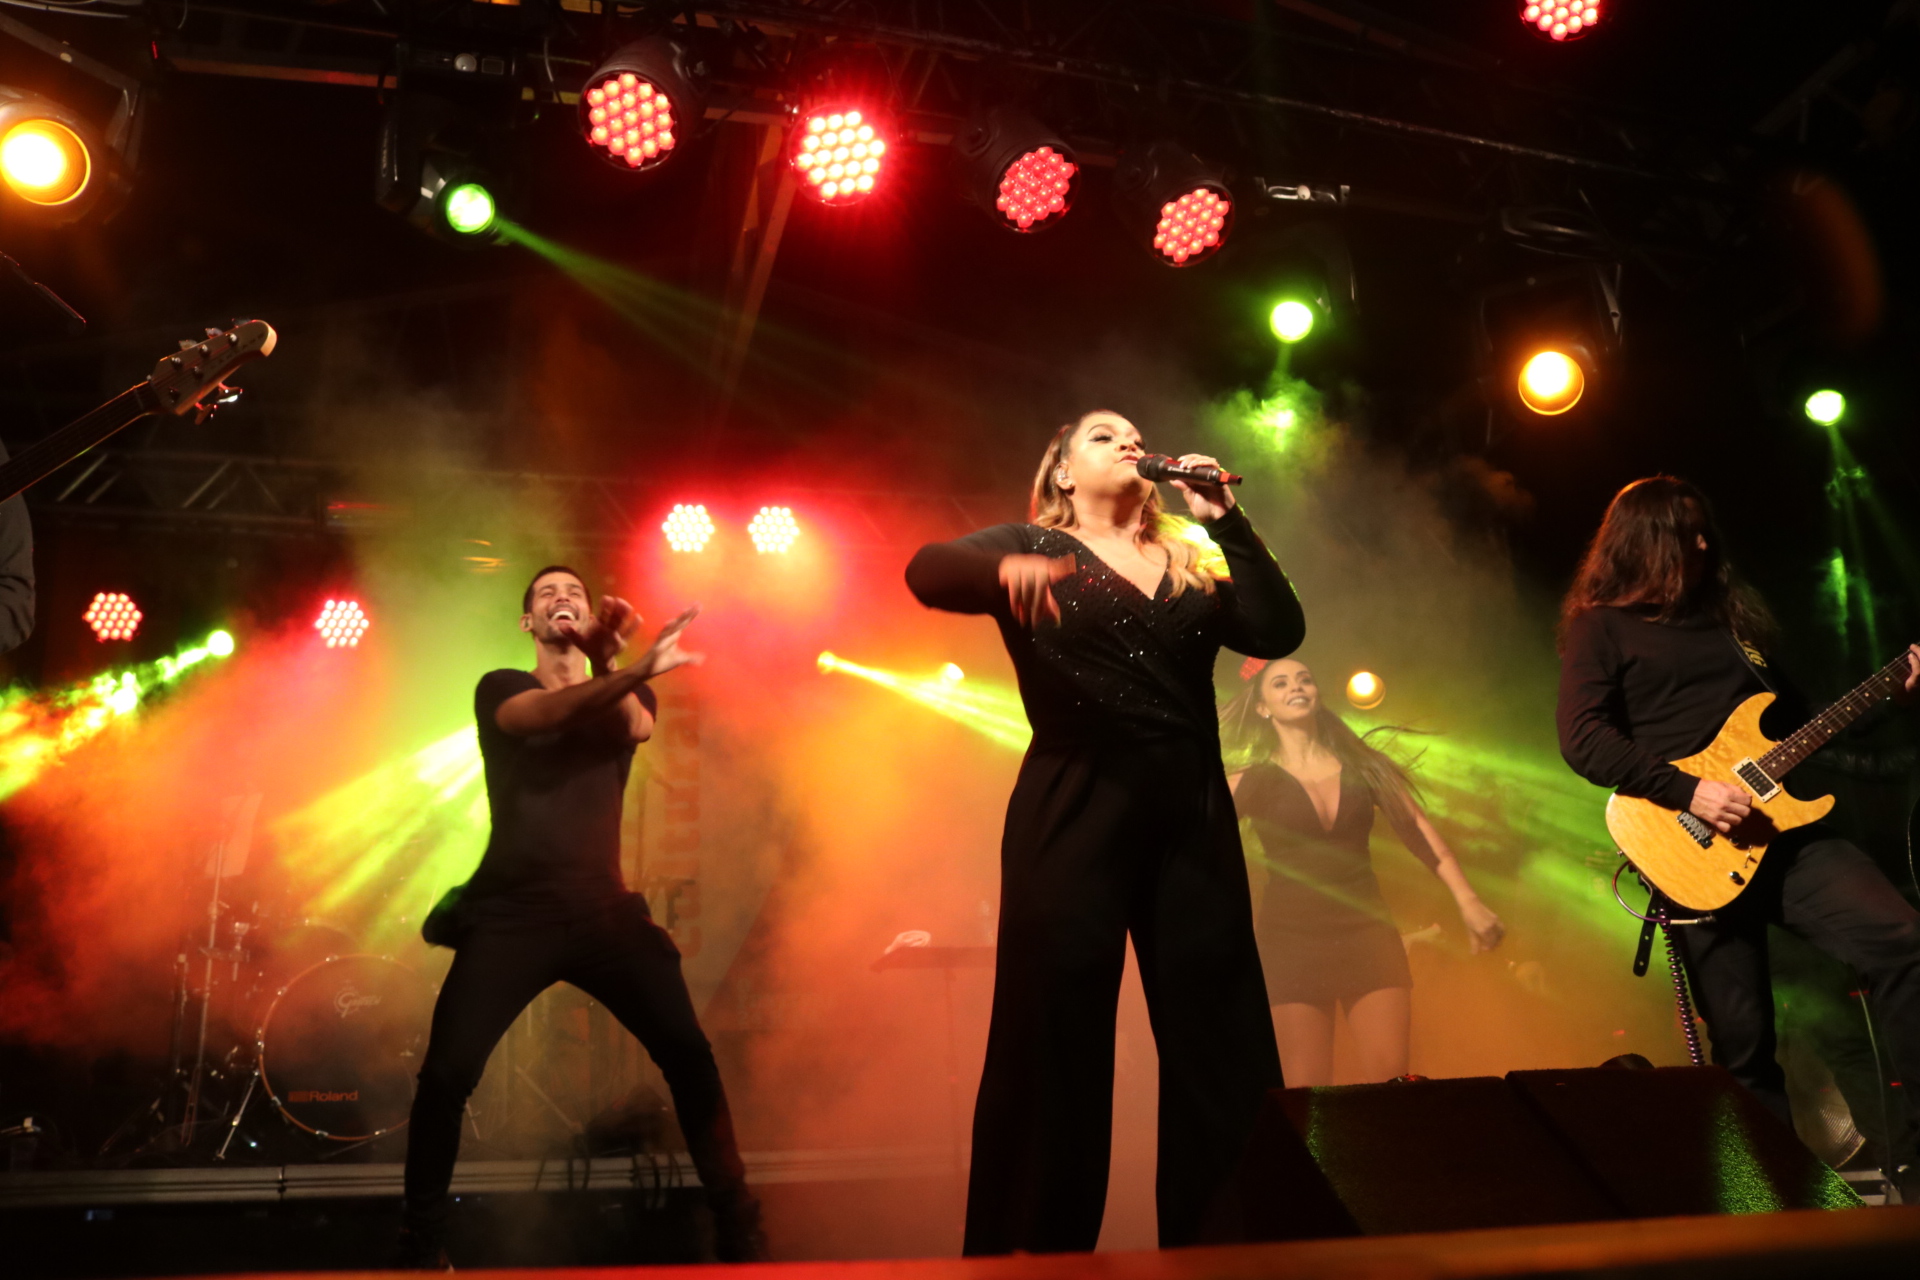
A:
[336,1050]
[228,858]
[573,1126]
[188,1073]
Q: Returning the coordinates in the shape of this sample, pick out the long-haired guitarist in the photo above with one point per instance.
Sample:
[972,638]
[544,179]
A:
[1660,642]
[16,570]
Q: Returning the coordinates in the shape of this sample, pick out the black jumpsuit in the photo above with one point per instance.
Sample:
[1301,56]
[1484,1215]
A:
[1120,823]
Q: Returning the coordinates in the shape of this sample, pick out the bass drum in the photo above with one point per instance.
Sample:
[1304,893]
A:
[340,1045]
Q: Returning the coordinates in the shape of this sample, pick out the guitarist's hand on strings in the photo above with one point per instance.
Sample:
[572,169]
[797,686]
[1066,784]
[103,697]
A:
[1721,805]
[1904,694]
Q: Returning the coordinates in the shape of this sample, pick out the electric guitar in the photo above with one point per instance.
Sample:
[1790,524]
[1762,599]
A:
[1689,860]
[179,384]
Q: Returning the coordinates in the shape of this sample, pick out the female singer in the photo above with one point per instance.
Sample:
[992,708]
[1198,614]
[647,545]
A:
[1120,823]
[1325,936]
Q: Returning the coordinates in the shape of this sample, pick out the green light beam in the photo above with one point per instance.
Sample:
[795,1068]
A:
[992,711]
[38,729]
[683,324]
[412,827]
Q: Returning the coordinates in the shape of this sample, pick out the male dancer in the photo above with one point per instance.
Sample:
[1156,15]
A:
[548,905]
[1660,641]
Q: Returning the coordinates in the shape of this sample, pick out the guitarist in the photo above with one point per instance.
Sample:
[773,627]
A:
[16,571]
[1660,640]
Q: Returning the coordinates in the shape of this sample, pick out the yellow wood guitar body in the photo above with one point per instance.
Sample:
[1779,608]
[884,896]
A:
[1668,847]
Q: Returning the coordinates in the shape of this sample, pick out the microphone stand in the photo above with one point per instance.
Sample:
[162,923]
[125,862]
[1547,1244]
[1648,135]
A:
[75,321]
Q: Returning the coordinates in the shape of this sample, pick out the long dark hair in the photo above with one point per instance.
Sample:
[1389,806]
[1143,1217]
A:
[1247,737]
[1638,559]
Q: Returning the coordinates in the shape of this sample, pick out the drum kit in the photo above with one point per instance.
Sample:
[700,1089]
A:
[293,1042]
[284,1010]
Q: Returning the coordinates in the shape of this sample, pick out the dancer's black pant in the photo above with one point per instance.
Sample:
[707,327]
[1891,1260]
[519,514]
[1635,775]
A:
[1102,842]
[1827,891]
[616,954]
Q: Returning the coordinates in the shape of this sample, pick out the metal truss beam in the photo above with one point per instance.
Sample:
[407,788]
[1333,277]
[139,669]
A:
[249,495]
[1334,61]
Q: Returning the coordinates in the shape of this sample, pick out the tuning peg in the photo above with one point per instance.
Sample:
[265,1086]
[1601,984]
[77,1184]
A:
[214,333]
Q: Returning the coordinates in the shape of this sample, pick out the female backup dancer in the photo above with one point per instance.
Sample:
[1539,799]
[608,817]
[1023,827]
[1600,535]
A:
[1325,936]
[1120,823]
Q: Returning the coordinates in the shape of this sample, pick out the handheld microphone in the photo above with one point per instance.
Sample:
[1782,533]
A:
[1158,467]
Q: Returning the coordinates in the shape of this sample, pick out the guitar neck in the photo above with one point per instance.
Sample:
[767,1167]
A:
[1819,731]
[44,457]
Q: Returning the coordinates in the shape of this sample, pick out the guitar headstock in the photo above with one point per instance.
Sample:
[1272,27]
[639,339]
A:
[180,381]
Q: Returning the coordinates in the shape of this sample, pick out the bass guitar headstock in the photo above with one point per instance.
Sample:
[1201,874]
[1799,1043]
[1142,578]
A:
[181,383]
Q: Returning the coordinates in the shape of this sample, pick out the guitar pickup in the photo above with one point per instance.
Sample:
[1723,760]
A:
[1702,833]
[1756,780]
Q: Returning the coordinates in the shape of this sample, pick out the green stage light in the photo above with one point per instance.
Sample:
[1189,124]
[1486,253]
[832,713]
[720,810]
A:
[1292,320]
[220,644]
[469,209]
[1826,407]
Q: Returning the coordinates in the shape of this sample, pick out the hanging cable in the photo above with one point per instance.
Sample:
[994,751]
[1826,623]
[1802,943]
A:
[1682,1000]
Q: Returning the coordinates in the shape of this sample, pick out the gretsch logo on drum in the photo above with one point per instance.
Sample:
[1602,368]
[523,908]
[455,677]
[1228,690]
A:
[349,1000]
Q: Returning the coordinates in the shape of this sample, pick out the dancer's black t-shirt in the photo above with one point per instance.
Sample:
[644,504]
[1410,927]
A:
[555,799]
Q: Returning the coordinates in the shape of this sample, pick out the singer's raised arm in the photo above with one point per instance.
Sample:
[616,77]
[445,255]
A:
[963,576]
[1261,615]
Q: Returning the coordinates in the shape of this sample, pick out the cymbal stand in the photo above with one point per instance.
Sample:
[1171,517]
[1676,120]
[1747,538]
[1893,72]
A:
[213,954]
[190,1115]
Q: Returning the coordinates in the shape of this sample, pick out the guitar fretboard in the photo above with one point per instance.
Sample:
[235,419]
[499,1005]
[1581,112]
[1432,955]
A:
[1819,731]
[44,457]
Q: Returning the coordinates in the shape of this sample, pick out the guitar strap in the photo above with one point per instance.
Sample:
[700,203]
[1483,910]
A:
[1643,954]
[1756,662]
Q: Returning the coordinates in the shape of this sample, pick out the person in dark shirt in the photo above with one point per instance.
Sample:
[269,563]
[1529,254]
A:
[548,904]
[1660,641]
[1120,824]
[1310,787]
[16,571]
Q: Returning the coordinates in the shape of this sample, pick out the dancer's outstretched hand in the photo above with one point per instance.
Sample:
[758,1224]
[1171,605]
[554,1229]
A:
[1029,582]
[665,653]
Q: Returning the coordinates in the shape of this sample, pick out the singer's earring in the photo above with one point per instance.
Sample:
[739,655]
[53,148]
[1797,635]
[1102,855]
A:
[1061,482]
[1264,714]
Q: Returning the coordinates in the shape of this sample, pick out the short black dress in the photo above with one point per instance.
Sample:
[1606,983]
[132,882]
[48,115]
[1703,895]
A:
[1324,931]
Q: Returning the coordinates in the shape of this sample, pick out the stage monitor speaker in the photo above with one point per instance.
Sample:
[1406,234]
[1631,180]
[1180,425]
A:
[1681,1140]
[1535,1148]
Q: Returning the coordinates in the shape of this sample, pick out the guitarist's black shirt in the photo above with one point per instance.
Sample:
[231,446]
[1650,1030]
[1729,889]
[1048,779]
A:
[16,571]
[1635,694]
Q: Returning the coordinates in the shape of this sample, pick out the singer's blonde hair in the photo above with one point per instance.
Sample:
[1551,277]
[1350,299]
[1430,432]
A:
[1052,508]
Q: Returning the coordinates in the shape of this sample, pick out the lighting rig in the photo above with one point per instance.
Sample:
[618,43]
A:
[1312,280]
[1561,20]
[56,164]
[1172,201]
[690,527]
[432,169]
[1019,171]
[1551,336]
[640,107]
[844,129]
